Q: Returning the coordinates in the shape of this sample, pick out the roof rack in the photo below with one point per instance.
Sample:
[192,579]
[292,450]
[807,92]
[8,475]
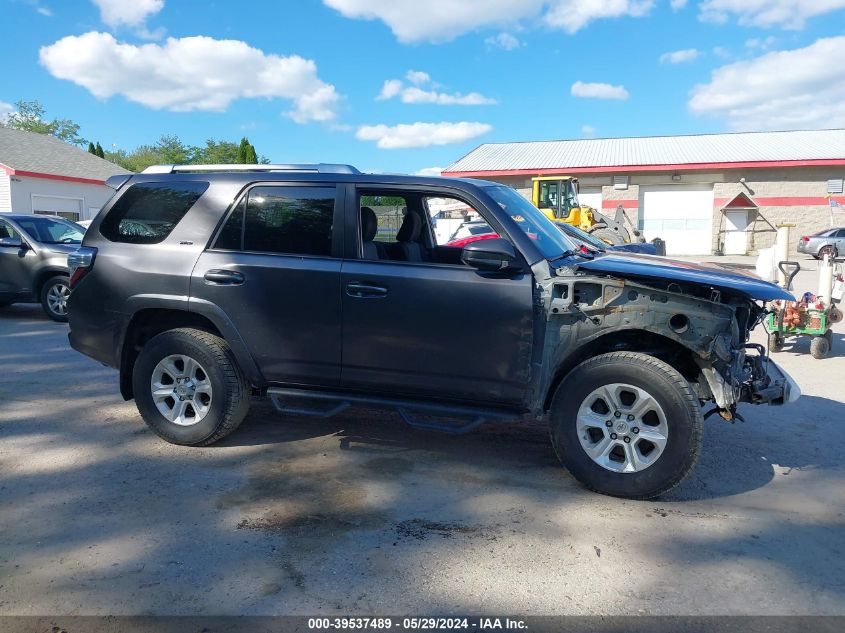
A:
[317,168]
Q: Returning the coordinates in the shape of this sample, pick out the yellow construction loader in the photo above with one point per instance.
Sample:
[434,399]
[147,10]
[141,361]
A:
[557,198]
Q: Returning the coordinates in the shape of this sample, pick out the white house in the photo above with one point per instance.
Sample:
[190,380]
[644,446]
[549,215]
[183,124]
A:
[41,174]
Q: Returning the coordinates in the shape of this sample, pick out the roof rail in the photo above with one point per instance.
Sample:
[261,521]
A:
[317,168]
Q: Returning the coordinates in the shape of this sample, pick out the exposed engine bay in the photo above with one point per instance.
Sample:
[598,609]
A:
[700,329]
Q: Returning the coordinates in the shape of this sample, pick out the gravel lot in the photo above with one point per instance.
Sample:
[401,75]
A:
[360,515]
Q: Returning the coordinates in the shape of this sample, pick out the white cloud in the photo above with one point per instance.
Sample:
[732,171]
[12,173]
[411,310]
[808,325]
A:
[5,110]
[588,131]
[599,91]
[721,51]
[417,77]
[429,171]
[680,57]
[755,43]
[390,89]
[421,134]
[444,20]
[414,94]
[786,14]
[793,89]
[573,15]
[45,11]
[190,73]
[505,41]
[677,5]
[134,13]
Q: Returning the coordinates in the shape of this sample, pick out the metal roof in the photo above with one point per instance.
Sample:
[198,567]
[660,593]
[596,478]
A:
[745,147]
[45,154]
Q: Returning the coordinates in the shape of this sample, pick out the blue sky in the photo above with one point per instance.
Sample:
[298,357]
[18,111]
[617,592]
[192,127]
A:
[302,79]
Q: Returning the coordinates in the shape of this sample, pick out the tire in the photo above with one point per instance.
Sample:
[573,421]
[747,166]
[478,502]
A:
[671,402]
[216,404]
[775,342]
[608,236]
[819,347]
[54,295]
[828,250]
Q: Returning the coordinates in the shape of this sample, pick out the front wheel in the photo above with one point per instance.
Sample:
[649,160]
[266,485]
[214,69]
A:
[189,388]
[54,296]
[626,424]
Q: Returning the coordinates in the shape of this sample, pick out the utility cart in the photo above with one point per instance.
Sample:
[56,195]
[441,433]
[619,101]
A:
[810,316]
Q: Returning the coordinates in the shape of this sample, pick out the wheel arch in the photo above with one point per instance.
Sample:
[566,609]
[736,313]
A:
[628,340]
[145,323]
[43,276]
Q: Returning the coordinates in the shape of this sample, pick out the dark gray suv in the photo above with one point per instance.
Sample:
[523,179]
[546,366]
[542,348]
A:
[33,261]
[323,287]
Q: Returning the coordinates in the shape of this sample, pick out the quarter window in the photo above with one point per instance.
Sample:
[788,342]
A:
[147,212]
[289,220]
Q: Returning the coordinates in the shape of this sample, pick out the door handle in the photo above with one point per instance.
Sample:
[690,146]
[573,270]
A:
[361,290]
[222,277]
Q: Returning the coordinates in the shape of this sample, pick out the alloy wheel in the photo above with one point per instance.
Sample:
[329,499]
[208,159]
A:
[181,389]
[57,299]
[622,428]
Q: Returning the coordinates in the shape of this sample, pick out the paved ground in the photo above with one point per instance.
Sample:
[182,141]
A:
[360,515]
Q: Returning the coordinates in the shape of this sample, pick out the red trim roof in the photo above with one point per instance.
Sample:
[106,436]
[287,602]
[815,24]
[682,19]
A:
[634,168]
[35,174]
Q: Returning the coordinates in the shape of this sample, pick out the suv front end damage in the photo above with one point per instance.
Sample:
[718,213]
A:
[701,330]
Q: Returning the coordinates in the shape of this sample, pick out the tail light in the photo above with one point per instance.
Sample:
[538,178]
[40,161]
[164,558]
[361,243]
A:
[79,263]
[805,239]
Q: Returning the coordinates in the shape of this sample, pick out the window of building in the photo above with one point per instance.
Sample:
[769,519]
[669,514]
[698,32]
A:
[289,220]
[149,211]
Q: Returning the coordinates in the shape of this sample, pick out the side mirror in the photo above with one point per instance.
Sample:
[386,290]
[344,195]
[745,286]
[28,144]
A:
[11,242]
[495,254]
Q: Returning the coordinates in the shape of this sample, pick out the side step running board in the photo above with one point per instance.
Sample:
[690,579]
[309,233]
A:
[339,402]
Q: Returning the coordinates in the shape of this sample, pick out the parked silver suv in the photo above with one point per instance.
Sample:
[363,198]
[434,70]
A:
[33,261]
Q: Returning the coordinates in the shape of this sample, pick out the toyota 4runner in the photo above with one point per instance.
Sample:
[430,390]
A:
[322,287]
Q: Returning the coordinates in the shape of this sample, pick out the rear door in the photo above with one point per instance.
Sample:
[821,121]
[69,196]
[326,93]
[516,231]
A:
[433,328]
[274,270]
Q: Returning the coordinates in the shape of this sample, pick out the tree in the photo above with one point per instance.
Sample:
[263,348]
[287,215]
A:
[251,157]
[216,153]
[29,117]
[99,150]
[242,151]
[92,149]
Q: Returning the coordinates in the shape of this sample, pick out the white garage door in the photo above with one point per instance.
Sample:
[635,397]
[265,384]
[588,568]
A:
[70,208]
[681,215]
[590,197]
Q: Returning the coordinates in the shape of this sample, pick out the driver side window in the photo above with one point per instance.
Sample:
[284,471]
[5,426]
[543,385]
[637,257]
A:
[6,230]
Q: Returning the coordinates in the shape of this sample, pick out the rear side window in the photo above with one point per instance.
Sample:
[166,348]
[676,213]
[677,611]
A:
[148,211]
[284,220]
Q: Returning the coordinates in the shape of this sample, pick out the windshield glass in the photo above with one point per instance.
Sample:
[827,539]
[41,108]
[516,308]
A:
[550,241]
[51,230]
[582,236]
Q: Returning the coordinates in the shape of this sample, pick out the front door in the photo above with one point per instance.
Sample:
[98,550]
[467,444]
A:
[736,238]
[274,269]
[425,325]
[15,276]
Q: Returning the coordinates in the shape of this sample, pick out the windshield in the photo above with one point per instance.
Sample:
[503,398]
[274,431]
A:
[582,236]
[51,230]
[551,242]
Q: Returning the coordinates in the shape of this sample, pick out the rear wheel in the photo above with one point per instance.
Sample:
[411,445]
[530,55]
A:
[189,388]
[609,236]
[775,342]
[54,296]
[829,250]
[626,424]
